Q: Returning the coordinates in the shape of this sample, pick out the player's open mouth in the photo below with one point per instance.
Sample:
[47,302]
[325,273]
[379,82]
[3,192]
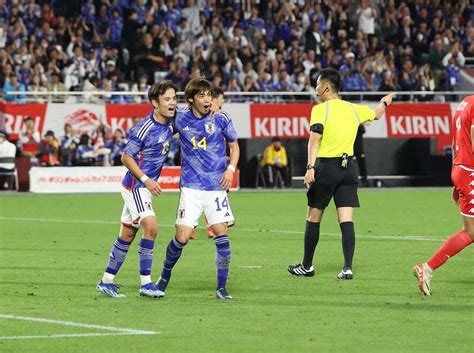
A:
[206,106]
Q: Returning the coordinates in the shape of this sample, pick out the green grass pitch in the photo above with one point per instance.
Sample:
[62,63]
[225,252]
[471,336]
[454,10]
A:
[54,248]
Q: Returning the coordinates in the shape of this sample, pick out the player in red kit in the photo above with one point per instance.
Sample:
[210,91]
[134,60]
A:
[462,175]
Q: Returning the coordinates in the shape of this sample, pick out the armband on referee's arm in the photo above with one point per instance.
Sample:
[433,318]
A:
[318,128]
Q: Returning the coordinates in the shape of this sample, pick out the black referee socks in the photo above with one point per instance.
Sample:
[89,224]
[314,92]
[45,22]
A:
[348,242]
[311,238]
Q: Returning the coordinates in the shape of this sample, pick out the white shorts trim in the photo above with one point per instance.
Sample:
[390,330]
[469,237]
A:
[467,215]
[138,205]
[215,205]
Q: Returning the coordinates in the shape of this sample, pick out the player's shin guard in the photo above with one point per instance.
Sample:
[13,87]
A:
[173,253]
[116,258]
[311,238]
[451,247]
[222,259]
[145,257]
[348,242]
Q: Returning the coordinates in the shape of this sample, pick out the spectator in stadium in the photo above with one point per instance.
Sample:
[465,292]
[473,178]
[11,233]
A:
[140,185]
[7,150]
[55,85]
[85,155]
[116,146]
[140,86]
[30,138]
[68,145]
[49,150]
[13,85]
[274,164]
[463,164]
[330,170]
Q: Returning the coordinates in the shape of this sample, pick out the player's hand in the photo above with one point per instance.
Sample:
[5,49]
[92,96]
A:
[388,98]
[214,109]
[226,180]
[455,196]
[309,177]
[153,186]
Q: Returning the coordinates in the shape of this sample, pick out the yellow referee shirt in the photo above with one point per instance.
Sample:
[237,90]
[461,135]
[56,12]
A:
[341,120]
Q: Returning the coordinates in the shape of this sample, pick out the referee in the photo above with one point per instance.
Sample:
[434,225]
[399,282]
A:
[331,171]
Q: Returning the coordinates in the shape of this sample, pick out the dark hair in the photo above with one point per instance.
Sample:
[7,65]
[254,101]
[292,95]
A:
[28,118]
[276,139]
[196,86]
[332,76]
[159,88]
[216,92]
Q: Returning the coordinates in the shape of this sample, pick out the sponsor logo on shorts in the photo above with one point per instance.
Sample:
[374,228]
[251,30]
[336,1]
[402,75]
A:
[181,213]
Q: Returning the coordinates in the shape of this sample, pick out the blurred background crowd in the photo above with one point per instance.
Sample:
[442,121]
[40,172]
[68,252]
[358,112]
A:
[239,45]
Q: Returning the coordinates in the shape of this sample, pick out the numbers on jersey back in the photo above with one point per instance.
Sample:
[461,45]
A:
[224,204]
[202,144]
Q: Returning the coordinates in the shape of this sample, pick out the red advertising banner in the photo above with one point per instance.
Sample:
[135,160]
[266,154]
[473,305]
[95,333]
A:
[119,116]
[420,121]
[13,115]
[284,120]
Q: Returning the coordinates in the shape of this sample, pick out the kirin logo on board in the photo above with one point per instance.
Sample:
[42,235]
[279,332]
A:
[83,121]
[284,120]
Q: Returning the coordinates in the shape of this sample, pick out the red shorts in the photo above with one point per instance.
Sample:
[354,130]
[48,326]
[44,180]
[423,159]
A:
[463,180]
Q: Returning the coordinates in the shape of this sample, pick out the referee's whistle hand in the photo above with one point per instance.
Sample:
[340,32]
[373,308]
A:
[309,177]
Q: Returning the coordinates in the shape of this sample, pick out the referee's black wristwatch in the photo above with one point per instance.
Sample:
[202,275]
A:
[309,166]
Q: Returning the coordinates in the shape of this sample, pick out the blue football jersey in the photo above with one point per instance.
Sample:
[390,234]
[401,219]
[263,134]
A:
[203,148]
[148,144]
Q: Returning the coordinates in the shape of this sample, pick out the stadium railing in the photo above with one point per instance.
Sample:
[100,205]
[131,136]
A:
[257,96]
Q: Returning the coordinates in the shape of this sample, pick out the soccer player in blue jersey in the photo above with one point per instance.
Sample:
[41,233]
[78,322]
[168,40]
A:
[205,179]
[144,156]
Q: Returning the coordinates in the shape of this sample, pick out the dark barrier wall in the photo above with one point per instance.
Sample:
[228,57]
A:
[385,157]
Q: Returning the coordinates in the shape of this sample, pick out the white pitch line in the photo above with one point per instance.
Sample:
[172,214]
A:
[250,230]
[117,330]
[2,338]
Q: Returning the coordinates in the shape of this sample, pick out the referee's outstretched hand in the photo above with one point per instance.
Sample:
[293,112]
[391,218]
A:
[309,177]
[388,98]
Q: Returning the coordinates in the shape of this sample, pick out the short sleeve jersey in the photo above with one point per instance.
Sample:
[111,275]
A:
[463,122]
[148,145]
[203,148]
[340,120]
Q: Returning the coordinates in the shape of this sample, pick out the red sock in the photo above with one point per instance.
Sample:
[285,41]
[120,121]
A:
[451,247]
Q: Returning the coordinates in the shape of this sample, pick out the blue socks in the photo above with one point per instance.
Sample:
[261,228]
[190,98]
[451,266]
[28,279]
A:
[222,259]
[117,256]
[173,253]
[145,259]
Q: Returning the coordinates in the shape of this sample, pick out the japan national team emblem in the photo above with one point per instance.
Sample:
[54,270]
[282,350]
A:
[181,213]
[210,127]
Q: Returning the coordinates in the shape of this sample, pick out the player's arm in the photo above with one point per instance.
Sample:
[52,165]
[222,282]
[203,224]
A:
[384,102]
[228,176]
[133,167]
[313,148]
[472,139]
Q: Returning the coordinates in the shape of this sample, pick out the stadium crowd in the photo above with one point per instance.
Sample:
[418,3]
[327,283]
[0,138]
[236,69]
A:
[248,45]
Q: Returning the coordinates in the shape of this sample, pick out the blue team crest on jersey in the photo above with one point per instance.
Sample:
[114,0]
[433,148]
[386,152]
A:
[210,127]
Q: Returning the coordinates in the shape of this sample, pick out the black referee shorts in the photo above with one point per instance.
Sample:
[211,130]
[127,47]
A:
[334,181]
